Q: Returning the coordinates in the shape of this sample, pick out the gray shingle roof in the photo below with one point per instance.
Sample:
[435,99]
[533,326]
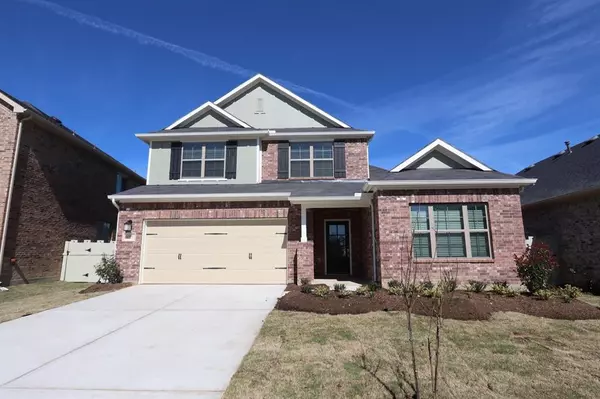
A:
[297,188]
[563,174]
[438,174]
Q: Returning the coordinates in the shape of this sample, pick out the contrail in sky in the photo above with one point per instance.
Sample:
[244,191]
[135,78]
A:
[196,56]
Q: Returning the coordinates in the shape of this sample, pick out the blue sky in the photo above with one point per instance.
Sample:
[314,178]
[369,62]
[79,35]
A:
[506,81]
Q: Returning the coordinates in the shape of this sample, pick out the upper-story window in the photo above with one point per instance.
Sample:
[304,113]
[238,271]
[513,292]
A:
[311,159]
[450,231]
[203,160]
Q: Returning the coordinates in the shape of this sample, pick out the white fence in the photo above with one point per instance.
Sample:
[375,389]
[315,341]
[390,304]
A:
[81,257]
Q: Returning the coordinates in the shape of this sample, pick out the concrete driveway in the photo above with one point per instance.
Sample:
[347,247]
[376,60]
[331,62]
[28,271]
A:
[175,341]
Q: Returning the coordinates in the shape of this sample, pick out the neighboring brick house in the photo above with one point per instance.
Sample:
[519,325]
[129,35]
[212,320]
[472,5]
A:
[263,187]
[53,188]
[563,210]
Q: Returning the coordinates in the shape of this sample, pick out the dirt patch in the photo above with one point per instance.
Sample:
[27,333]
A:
[105,287]
[462,305]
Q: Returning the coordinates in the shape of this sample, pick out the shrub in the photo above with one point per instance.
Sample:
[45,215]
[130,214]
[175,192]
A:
[511,293]
[321,291]
[427,285]
[373,286]
[363,290]
[108,270]
[568,293]
[395,290]
[394,283]
[344,294]
[448,284]
[544,294]
[339,287]
[304,281]
[499,287]
[433,292]
[476,286]
[535,267]
[307,289]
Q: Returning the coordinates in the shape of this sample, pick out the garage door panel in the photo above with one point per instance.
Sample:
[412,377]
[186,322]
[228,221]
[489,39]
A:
[215,276]
[224,251]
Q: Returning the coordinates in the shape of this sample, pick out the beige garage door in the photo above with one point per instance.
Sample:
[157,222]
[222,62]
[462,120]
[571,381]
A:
[217,252]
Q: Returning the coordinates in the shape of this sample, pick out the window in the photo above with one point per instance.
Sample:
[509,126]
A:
[311,160]
[203,160]
[450,231]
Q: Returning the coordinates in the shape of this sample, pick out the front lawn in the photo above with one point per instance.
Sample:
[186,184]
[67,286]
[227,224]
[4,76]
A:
[306,355]
[25,299]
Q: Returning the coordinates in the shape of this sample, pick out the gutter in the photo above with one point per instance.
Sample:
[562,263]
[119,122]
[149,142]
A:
[11,184]
[449,184]
[199,197]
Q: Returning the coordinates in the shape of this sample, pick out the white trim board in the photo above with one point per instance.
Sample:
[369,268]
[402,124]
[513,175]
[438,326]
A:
[207,106]
[462,183]
[287,93]
[446,149]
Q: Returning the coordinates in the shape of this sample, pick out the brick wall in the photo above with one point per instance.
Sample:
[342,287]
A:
[506,233]
[572,229]
[357,163]
[59,194]
[128,252]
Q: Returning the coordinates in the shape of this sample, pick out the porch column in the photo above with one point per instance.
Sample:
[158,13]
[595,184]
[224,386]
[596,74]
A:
[303,230]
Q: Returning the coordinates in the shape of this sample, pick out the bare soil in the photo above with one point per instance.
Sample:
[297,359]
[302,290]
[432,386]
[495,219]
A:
[98,287]
[460,306]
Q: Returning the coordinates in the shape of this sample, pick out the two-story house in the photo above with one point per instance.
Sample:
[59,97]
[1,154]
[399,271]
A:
[263,187]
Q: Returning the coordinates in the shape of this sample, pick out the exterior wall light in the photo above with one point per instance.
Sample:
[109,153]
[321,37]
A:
[127,227]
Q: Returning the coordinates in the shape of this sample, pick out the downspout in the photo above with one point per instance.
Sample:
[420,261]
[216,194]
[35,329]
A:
[13,173]
[114,202]
[374,252]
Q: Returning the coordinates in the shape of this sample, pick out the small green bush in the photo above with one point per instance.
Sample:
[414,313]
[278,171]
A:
[321,291]
[433,292]
[339,287]
[108,270]
[535,267]
[476,286]
[304,281]
[568,293]
[499,287]
[544,294]
[448,285]
[395,290]
[509,292]
[374,286]
[394,283]
[344,294]
[427,285]
[363,290]
[307,289]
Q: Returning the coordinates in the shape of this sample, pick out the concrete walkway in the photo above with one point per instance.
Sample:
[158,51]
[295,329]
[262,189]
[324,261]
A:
[175,341]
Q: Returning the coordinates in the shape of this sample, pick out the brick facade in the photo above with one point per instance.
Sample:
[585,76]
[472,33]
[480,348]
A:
[572,229]
[393,232]
[59,194]
[357,163]
[8,135]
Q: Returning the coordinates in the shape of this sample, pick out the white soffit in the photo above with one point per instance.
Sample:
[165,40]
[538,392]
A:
[446,149]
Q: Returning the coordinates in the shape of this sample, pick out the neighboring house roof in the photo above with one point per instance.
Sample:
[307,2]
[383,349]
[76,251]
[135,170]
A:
[20,106]
[441,146]
[244,88]
[565,173]
[207,106]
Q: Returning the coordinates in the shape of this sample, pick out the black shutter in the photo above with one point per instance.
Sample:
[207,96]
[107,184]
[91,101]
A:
[339,159]
[231,159]
[175,171]
[283,160]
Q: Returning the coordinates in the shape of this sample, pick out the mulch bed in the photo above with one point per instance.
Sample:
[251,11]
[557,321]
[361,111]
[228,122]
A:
[98,287]
[462,305]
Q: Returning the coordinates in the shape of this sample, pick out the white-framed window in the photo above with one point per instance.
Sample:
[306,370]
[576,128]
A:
[450,231]
[203,160]
[311,159]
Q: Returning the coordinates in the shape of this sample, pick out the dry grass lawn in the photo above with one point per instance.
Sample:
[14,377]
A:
[25,299]
[593,300]
[302,355]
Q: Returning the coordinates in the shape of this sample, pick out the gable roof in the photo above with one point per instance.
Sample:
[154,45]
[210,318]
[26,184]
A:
[446,149]
[564,173]
[206,107]
[250,83]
